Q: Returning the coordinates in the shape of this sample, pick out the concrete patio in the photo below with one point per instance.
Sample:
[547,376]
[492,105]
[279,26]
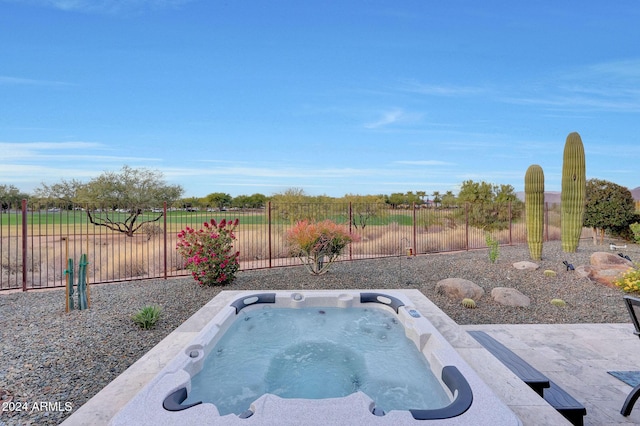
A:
[577,357]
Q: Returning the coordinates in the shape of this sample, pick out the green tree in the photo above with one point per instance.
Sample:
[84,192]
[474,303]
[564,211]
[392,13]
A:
[608,207]
[488,204]
[448,200]
[192,203]
[364,208]
[258,201]
[397,199]
[291,195]
[476,192]
[64,192]
[10,197]
[437,199]
[294,205]
[219,200]
[241,202]
[254,201]
[412,198]
[116,200]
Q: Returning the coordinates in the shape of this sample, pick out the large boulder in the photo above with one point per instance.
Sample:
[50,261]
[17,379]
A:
[603,258]
[510,297]
[604,268]
[459,288]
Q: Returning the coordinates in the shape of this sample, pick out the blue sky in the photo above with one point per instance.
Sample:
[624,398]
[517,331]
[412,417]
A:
[333,97]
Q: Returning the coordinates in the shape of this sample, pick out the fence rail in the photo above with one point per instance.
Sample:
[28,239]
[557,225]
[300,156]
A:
[37,240]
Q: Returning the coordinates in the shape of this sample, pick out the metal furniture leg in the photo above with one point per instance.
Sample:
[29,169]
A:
[630,401]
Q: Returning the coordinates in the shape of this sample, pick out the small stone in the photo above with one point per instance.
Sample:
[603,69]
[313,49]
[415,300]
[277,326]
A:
[526,265]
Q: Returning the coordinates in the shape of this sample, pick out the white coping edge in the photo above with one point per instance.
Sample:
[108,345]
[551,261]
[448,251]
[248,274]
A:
[134,385]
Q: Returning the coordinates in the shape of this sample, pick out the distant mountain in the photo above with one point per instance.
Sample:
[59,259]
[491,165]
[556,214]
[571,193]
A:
[552,197]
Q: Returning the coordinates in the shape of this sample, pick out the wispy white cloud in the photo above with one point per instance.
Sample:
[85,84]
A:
[29,150]
[73,152]
[105,6]
[271,172]
[29,176]
[448,90]
[19,81]
[424,163]
[577,102]
[51,145]
[387,118]
[394,116]
[610,86]
[629,68]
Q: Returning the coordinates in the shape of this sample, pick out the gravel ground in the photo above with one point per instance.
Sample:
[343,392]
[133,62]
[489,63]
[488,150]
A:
[51,356]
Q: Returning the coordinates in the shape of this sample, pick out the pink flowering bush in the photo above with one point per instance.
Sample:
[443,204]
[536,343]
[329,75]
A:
[209,253]
[318,245]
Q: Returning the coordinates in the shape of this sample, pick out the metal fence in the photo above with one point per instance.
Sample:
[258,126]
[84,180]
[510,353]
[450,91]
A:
[37,240]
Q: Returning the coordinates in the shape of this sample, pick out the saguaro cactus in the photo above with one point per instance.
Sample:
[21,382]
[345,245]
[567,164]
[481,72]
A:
[81,288]
[574,187]
[82,282]
[534,205]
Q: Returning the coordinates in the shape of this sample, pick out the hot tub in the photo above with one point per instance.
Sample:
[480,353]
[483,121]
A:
[166,399]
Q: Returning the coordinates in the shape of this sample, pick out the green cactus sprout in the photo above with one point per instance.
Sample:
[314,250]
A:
[550,273]
[558,302]
[468,303]
[534,205]
[81,287]
[574,187]
[147,317]
[69,272]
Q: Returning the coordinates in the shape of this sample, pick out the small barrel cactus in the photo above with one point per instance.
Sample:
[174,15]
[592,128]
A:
[468,303]
[558,302]
[550,273]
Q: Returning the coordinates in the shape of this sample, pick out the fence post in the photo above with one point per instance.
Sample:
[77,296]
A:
[350,229]
[269,229]
[466,226]
[415,231]
[164,216]
[24,245]
[546,221]
[510,223]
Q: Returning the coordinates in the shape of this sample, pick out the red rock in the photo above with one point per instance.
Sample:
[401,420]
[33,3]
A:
[605,268]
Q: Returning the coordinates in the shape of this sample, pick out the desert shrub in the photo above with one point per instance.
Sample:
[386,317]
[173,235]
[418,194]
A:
[555,233]
[318,245]
[494,248]
[12,262]
[430,218]
[151,230]
[630,281]
[635,230]
[135,267]
[449,239]
[208,252]
[376,240]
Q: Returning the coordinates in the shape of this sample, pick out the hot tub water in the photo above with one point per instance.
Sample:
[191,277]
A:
[316,353]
